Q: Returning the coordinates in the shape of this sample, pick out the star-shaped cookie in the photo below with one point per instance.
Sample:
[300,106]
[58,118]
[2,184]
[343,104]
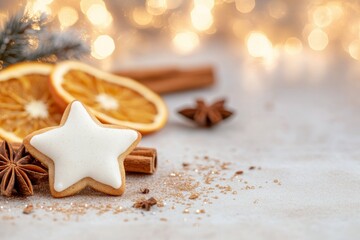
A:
[83,152]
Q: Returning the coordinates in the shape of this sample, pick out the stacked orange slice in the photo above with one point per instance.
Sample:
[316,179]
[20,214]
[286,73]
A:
[34,95]
[26,104]
[113,99]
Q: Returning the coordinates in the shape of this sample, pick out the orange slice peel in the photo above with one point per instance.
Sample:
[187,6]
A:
[26,104]
[112,99]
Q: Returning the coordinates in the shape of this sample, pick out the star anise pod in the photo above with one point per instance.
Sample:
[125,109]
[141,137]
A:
[18,170]
[207,115]
[145,204]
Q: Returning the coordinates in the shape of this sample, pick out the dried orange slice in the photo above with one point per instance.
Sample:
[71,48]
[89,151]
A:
[112,99]
[26,104]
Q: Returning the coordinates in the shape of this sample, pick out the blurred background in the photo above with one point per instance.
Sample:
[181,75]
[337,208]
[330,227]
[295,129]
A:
[260,29]
[258,41]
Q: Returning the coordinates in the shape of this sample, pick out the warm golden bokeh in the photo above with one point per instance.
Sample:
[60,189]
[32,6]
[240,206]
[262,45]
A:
[245,6]
[68,16]
[259,45]
[185,42]
[102,47]
[318,39]
[293,46]
[289,26]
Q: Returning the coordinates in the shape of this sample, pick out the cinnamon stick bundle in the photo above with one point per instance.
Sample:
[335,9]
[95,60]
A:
[140,160]
[172,79]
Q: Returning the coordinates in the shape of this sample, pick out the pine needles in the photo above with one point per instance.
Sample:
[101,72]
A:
[25,37]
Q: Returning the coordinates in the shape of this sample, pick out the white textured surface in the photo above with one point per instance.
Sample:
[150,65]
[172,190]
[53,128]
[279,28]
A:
[299,121]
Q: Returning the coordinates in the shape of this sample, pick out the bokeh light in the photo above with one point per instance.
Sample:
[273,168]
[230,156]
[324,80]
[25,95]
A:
[336,10]
[156,7]
[245,6]
[293,46]
[68,16]
[102,47]
[99,15]
[201,18]
[318,39]
[316,24]
[259,45]
[354,49]
[39,6]
[322,16]
[185,42]
[86,4]
[141,17]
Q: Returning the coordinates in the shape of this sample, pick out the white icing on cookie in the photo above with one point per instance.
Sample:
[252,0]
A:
[81,148]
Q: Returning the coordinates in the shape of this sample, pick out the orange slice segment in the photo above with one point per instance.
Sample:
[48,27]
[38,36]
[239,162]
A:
[113,99]
[26,104]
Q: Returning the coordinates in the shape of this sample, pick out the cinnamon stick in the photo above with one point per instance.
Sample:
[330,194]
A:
[140,160]
[172,79]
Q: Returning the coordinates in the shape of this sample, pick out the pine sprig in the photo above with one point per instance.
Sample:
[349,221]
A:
[59,46]
[14,37]
[22,29]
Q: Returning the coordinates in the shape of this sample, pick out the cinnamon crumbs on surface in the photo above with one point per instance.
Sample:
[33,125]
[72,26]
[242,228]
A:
[28,209]
[144,190]
[194,196]
[225,166]
[145,204]
[200,211]
[186,211]
[185,164]
[190,189]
